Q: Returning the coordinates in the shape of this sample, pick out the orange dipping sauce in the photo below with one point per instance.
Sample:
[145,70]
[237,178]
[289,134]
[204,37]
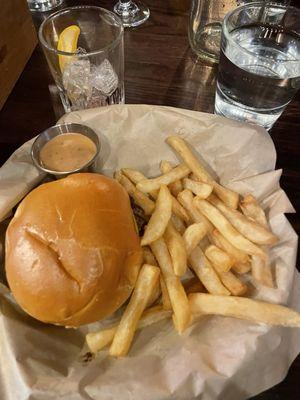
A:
[67,152]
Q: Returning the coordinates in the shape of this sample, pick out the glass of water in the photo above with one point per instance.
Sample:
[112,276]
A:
[91,74]
[259,70]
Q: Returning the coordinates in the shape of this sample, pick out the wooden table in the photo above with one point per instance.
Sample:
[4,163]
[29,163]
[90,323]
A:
[159,69]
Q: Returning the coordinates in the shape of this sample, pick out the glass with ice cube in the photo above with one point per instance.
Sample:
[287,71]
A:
[259,69]
[88,72]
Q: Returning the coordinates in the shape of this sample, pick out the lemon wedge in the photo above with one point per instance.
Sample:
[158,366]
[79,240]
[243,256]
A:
[67,42]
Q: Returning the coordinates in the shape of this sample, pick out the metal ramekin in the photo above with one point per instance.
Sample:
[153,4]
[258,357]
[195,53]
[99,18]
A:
[61,129]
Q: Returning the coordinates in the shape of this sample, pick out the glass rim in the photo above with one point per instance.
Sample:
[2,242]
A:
[91,53]
[257,3]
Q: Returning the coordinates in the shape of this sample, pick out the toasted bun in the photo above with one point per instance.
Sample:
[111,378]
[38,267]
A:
[72,250]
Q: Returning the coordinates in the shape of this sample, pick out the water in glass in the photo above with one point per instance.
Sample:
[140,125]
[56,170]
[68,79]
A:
[259,72]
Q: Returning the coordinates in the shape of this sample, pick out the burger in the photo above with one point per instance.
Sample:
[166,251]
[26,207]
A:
[72,250]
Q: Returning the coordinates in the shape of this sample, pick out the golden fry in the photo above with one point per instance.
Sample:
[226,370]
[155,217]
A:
[206,273]
[160,217]
[177,250]
[200,189]
[96,341]
[219,257]
[124,334]
[178,298]
[165,299]
[243,308]
[241,268]
[229,197]
[174,175]
[140,198]
[136,177]
[230,281]
[193,235]
[227,230]
[175,187]
[186,199]
[194,285]
[251,230]
[220,241]
[178,223]
[149,257]
[251,208]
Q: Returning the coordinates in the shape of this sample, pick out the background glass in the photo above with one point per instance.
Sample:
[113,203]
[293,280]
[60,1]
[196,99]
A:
[205,25]
[94,75]
[132,13]
[259,71]
[43,5]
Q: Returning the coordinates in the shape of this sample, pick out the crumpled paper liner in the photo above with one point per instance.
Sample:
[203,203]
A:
[217,358]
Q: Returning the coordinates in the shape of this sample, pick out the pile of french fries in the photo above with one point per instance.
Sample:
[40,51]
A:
[194,224]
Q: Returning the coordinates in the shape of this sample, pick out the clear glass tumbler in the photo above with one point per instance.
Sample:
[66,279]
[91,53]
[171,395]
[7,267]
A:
[259,69]
[92,74]
[205,26]
[43,5]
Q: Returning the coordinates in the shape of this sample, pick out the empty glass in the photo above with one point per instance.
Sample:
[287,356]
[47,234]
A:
[43,5]
[259,69]
[132,13]
[205,26]
[92,75]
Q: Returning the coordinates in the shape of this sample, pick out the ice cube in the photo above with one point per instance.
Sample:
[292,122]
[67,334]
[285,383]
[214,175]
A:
[104,78]
[76,81]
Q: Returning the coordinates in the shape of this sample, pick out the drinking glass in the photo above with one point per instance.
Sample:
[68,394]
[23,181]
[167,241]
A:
[43,5]
[132,13]
[93,75]
[259,69]
[205,26]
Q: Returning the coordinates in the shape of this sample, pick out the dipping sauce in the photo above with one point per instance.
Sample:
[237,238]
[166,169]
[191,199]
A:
[67,152]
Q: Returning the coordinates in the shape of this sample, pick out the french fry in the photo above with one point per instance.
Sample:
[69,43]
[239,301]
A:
[219,240]
[96,341]
[136,177]
[178,223]
[124,334]
[186,199]
[251,208]
[220,258]
[261,271]
[200,189]
[149,257]
[251,230]
[140,198]
[227,230]
[206,273]
[160,217]
[165,299]
[155,295]
[175,187]
[179,211]
[178,298]
[230,281]
[193,235]
[229,197]
[193,285]
[174,175]
[177,249]
[241,268]
[243,308]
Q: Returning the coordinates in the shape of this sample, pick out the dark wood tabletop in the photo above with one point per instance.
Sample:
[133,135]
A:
[160,68]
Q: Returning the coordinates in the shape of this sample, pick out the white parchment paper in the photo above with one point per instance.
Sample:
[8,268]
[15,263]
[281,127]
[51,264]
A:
[218,358]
